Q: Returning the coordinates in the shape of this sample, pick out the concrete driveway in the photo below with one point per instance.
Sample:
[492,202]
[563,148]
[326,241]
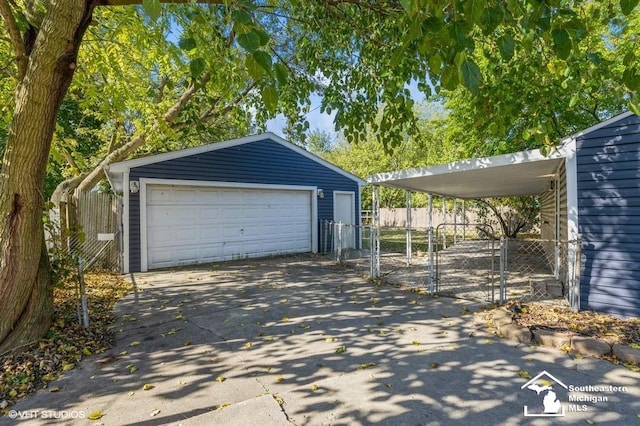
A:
[301,340]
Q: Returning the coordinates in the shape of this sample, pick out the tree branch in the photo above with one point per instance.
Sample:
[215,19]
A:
[16,38]
[119,154]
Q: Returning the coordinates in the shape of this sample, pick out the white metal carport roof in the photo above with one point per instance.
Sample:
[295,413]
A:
[516,174]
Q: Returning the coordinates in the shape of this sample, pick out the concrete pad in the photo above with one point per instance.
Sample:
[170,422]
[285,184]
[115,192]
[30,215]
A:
[228,343]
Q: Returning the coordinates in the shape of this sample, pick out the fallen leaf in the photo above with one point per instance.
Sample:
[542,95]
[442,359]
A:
[389,385]
[155,412]
[248,345]
[54,389]
[524,374]
[220,379]
[187,343]
[131,393]
[314,387]
[132,368]
[341,349]
[223,406]
[415,343]
[278,399]
[96,415]
[68,366]
[134,343]
[147,387]
[435,365]
[330,339]
[279,379]
[366,365]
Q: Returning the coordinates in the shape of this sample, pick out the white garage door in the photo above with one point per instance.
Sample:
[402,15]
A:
[195,224]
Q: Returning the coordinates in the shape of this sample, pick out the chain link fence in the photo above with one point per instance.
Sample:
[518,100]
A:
[538,269]
[343,242]
[467,261]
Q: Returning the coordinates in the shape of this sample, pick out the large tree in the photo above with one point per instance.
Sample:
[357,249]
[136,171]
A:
[360,55]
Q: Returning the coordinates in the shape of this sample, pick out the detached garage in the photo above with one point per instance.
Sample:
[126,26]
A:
[250,197]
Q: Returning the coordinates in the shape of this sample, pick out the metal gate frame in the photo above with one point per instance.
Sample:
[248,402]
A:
[482,227]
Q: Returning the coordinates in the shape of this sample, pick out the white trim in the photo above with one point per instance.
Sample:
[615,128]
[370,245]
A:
[573,218]
[467,165]
[144,182]
[144,262]
[125,166]
[571,173]
[622,116]
[125,225]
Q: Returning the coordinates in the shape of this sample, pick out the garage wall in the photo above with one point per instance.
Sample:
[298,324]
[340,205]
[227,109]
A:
[260,162]
[608,183]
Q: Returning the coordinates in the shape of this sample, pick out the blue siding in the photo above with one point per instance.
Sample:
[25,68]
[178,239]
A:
[260,162]
[608,182]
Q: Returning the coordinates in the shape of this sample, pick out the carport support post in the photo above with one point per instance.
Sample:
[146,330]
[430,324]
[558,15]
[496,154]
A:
[464,222]
[375,229]
[444,223]
[431,280]
[408,228]
[455,220]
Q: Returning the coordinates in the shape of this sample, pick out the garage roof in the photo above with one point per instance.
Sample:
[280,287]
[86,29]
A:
[115,171]
[520,173]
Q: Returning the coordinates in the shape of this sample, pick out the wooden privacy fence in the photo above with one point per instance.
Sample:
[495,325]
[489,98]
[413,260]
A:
[90,229]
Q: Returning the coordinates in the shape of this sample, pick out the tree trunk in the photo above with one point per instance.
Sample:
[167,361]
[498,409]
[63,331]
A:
[25,281]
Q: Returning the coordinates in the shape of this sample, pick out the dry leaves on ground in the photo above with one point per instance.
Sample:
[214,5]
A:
[587,323]
[67,342]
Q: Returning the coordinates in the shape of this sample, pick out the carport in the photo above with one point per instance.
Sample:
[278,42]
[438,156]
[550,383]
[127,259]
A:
[518,174]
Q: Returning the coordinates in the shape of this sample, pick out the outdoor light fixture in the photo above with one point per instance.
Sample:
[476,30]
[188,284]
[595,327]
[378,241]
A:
[320,193]
[134,186]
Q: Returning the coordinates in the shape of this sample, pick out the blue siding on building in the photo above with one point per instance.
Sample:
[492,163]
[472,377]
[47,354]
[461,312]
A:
[608,183]
[259,162]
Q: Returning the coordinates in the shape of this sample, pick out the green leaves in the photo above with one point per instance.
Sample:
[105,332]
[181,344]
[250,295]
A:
[561,43]
[506,45]
[627,6]
[270,98]
[474,9]
[471,75]
[152,8]
[196,67]
[187,43]
[249,41]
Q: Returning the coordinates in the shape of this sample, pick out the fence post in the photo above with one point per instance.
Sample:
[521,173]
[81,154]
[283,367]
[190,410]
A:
[375,229]
[444,222]
[503,266]
[464,222]
[431,262]
[83,313]
[339,241]
[408,228]
[455,221]
[576,264]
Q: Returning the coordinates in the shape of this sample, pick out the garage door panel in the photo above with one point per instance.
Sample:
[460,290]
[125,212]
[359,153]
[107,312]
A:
[188,225]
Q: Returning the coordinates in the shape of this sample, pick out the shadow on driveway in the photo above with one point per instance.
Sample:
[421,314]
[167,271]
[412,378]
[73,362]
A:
[302,340]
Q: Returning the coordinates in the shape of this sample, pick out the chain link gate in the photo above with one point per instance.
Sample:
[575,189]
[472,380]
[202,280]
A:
[466,261]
